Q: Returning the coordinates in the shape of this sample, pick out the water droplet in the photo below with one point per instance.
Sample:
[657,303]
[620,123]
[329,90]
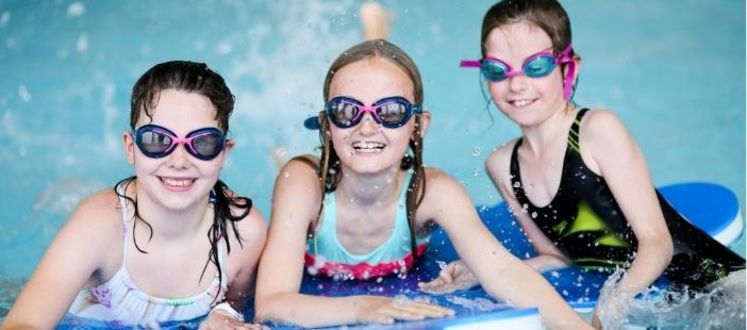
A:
[476,151]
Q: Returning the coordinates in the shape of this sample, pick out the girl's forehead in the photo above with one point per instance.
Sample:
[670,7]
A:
[371,79]
[520,39]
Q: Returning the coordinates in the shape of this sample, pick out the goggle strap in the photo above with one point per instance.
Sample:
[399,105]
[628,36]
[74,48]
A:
[568,83]
[563,58]
[470,64]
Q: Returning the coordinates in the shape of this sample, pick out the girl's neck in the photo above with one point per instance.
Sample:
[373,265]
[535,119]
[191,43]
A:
[547,133]
[174,224]
[370,189]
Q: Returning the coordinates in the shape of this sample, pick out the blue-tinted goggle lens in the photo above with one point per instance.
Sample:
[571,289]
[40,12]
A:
[535,67]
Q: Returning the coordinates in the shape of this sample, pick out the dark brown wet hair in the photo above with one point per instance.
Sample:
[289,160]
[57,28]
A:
[197,78]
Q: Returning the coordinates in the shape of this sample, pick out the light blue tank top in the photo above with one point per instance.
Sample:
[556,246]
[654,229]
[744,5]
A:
[326,255]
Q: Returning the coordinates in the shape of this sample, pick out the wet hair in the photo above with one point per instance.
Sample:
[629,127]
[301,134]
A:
[197,78]
[548,15]
[329,169]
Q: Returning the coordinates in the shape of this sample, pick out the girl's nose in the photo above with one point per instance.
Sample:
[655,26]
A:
[518,83]
[179,158]
[368,124]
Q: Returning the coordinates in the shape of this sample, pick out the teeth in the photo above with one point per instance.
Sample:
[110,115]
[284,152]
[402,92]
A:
[178,183]
[368,147]
[522,103]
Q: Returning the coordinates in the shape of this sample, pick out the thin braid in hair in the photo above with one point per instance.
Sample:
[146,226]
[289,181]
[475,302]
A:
[416,187]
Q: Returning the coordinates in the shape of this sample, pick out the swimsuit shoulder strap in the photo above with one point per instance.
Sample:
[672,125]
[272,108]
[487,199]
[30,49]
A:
[515,172]
[125,212]
[573,133]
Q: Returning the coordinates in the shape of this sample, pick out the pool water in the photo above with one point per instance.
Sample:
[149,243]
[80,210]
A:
[674,73]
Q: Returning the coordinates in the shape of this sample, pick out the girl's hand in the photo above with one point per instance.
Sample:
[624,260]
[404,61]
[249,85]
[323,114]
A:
[386,310]
[456,276]
[612,308]
[219,320]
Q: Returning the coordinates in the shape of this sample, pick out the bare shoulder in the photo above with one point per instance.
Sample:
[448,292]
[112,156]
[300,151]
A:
[99,215]
[252,227]
[602,131]
[498,167]
[499,159]
[601,123]
[437,178]
[440,186]
[95,227]
[297,187]
[301,170]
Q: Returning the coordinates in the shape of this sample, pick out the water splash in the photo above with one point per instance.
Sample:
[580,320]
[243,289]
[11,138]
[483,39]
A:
[720,306]
[476,304]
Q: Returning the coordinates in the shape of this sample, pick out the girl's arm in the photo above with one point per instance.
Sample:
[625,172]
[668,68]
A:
[295,205]
[609,150]
[501,274]
[457,276]
[81,248]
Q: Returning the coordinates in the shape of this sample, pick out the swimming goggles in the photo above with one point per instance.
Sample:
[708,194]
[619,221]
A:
[535,66]
[156,142]
[346,112]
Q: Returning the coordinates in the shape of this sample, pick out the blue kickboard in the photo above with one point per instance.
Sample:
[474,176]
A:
[709,206]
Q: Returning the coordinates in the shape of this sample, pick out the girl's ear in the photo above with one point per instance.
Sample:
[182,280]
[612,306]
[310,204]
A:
[129,146]
[229,146]
[425,123]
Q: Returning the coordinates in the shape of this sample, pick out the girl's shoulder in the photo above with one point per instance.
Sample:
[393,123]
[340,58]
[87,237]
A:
[500,158]
[96,226]
[440,182]
[600,122]
[252,224]
[434,174]
[101,212]
[300,174]
[601,129]
[301,169]
[251,229]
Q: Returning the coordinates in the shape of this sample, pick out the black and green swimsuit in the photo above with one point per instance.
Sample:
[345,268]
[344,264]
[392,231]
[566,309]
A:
[586,223]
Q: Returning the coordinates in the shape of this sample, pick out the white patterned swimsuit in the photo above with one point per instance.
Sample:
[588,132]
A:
[118,301]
